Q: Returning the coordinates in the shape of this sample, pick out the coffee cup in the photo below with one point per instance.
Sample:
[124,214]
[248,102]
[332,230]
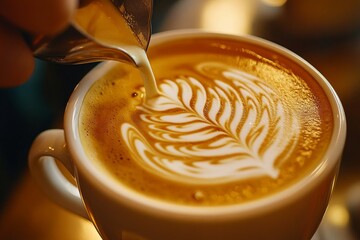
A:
[244,142]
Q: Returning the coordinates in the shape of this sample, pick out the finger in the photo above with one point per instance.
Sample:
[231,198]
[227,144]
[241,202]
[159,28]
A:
[38,16]
[16,59]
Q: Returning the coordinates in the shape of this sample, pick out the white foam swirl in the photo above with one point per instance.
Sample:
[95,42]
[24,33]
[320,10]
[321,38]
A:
[236,129]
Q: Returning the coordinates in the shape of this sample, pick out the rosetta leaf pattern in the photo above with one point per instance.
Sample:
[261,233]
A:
[233,129]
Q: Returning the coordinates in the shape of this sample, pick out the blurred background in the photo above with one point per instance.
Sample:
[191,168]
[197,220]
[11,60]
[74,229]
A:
[324,32]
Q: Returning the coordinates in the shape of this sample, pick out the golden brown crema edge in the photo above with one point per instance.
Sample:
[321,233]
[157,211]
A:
[114,99]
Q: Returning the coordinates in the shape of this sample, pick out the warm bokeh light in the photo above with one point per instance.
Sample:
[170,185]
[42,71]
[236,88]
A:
[338,215]
[274,3]
[228,16]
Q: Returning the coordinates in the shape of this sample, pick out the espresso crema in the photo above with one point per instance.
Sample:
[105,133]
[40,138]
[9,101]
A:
[232,122]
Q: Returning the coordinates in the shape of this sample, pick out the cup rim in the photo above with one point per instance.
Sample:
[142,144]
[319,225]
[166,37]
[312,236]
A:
[135,200]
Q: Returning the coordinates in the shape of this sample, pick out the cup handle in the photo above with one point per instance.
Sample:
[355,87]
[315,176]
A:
[48,147]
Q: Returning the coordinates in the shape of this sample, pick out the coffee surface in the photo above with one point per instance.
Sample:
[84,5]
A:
[234,122]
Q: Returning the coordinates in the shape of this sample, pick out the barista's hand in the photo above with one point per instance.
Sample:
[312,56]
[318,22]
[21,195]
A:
[32,16]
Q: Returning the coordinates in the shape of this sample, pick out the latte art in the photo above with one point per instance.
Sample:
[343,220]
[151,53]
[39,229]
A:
[195,133]
[229,125]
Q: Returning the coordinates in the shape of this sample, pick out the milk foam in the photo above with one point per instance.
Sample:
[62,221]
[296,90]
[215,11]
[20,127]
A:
[233,130]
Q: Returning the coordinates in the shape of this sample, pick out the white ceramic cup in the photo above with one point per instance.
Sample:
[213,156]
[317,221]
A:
[293,213]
